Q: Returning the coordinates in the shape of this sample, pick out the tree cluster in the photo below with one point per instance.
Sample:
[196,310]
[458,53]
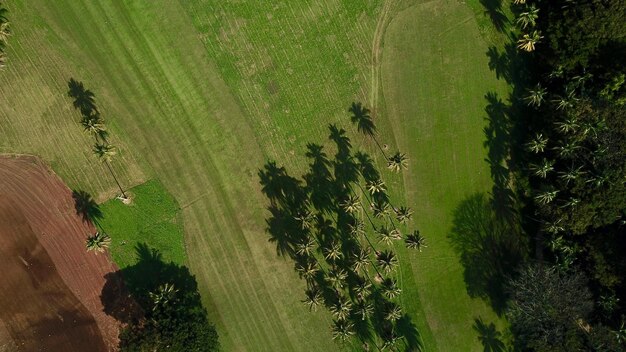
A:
[338,225]
[571,169]
[169,316]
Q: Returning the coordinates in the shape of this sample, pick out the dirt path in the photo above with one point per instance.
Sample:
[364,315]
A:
[43,244]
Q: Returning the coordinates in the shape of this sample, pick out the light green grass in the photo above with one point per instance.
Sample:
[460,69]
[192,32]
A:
[152,218]
[198,94]
[435,76]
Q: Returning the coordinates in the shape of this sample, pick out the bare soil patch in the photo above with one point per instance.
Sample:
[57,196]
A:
[50,296]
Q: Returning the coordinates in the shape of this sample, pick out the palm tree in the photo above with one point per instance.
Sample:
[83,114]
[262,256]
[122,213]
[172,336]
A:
[528,17]
[342,329]
[305,247]
[308,270]
[415,241]
[364,123]
[387,260]
[333,252]
[163,296]
[341,308]
[393,312]
[546,196]
[387,236]
[538,144]
[105,153]
[568,149]
[380,209]
[519,2]
[352,204]
[570,175]
[570,124]
[404,214]
[98,242]
[390,288]
[5,31]
[528,41]
[375,187]
[363,309]
[362,289]
[3,59]
[542,170]
[361,260]
[397,162]
[306,219]
[337,278]
[313,298]
[536,96]
[357,228]
[94,125]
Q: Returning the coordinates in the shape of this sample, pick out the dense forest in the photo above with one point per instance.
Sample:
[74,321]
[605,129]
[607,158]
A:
[568,157]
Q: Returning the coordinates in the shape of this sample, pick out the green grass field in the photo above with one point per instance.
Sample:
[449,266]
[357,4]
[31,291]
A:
[434,94]
[152,218]
[198,94]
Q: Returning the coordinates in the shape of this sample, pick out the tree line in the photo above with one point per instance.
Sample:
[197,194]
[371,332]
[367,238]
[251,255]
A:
[567,161]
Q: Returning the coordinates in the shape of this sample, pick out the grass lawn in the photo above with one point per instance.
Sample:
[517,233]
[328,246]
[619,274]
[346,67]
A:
[152,218]
[198,94]
[435,76]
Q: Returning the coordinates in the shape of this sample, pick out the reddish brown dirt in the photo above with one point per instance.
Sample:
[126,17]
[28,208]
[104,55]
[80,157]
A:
[50,290]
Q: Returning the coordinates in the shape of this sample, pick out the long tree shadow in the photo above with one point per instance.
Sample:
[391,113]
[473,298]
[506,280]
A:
[490,249]
[493,9]
[157,300]
[84,99]
[86,207]
[489,336]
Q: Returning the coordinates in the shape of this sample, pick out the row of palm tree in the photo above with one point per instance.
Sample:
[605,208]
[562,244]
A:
[5,32]
[527,20]
[93,124]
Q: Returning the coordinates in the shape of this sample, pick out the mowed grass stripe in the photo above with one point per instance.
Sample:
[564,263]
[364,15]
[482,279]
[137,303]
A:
[249,316]
[227,232]
[438,97]
[44,132]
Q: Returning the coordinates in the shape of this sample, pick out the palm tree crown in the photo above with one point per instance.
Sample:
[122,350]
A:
[528,17]
[528,41]
[98,242]
[387,260]
[404,214]
[415,241]
[104,152]
[342,329]
[397,162]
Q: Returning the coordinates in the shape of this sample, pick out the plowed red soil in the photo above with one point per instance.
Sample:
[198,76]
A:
[50,286]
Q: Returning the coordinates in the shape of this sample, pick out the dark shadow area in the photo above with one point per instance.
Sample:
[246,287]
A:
[493,9]
[489,336]
[490,249]
[86,207]
[159,304]
[84,99]
[309,221]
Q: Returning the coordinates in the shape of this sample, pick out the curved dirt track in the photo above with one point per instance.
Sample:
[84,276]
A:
[50,292]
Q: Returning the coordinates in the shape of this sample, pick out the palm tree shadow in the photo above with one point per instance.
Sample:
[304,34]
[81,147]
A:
[489,336]
[84,99]
[493,9]
[86,207]
[489,247]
